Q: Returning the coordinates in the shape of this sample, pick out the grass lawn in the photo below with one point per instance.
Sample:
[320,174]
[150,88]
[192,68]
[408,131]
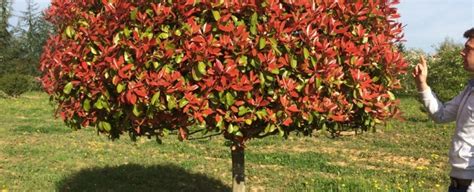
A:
[39,153]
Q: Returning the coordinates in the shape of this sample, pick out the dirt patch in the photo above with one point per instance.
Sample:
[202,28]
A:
[354,155]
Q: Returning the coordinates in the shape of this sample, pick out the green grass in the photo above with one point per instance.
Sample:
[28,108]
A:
[39,153]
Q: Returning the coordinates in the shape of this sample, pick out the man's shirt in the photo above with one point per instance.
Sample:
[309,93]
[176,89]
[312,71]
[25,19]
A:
[461,110]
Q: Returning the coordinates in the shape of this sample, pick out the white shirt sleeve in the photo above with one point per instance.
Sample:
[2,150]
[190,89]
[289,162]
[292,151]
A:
[439,112]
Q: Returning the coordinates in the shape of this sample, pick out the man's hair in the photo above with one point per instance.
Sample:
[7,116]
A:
[469,33]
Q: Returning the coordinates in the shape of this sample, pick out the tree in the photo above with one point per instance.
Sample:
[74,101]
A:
[5,36]
[446,73]
[242,69]
[5,14]
[33,31]
[412,56]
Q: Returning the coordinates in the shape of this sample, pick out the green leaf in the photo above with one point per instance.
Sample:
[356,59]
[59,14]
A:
[164,35]
[238,133]
[262,42]
[229,99]
[233,129]
[253,23]
[305,53]
[127,32]
[253,29]
[281,132]
[261,114]
[116,38]
[183,102]
[98,104]
[136,111]
[216,15]
[179,58]
[127,57]
[70,31]
[156,64]
[230,128]
[318,82]
[276,71]
[365,39]
[243,60]
[391,95]
[262,79]
[267,129]
[220,124]
[133,14]
[107,126]
[120,88]
[202,68]
[248,121]
[353,60]
[273,42]
[171,101]
[196,75]
[178,32]
[150,12]
[154,98]
[293,62]
[243,110]
[86,105]
[104,125]
[67,88]
[93,50]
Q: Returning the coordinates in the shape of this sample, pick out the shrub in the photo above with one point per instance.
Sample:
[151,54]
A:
[3,95]
[412,57]
[446,74]
[242,68]
[15,84]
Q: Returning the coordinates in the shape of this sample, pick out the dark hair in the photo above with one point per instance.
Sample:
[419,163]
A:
[469,33]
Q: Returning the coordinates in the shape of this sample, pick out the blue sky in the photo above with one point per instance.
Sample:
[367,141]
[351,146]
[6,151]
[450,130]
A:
[427,22]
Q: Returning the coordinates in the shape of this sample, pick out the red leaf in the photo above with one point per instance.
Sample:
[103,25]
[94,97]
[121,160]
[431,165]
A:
[183,134]
[287,121]
[123,71]
[293,109]
[338,118]
[131,98]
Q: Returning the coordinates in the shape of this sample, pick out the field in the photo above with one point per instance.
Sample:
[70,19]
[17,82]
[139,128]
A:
[39,153]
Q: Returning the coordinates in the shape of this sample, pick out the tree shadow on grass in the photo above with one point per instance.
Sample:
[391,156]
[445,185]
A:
[139,178]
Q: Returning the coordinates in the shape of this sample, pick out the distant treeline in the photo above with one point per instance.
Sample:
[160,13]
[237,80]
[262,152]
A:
[21,46]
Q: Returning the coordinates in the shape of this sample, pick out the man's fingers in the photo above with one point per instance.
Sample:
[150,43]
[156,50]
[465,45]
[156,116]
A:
[423,61]
[416,71]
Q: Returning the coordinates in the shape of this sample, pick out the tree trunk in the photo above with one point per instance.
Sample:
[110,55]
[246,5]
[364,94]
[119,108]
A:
[238,168]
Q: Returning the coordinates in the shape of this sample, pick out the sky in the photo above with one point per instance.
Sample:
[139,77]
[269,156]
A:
[426,22]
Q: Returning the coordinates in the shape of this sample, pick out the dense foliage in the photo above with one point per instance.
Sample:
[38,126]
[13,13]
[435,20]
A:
[15,84]
[241,68]
[446,75]
[21,45]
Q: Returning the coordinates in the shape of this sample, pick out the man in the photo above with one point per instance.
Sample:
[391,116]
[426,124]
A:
[459,109]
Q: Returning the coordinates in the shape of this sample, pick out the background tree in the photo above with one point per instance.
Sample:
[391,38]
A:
[242,69]
[412,56]
[32,30]
[21,47]
[5,36]
[446,74]
[5,14]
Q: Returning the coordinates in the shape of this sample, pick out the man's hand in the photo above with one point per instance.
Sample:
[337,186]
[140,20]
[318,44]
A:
[420,73]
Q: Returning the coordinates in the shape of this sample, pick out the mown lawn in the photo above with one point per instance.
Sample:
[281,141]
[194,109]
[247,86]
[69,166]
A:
[39,153]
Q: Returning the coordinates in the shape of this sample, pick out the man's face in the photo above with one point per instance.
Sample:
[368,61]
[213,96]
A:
[468,55]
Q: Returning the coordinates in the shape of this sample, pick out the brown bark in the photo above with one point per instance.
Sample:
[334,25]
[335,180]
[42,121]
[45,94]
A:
[238,168]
